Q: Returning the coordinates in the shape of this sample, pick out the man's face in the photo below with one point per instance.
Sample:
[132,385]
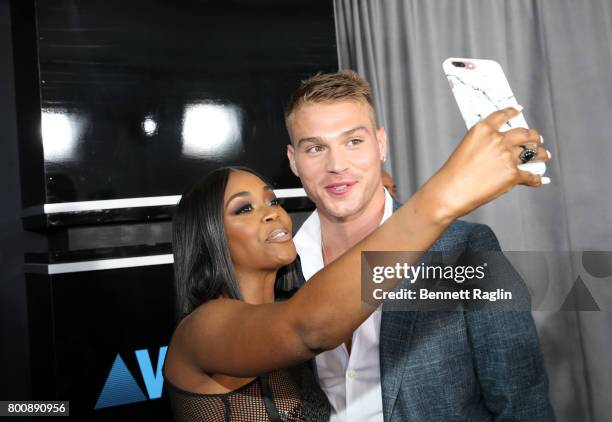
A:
[336,151]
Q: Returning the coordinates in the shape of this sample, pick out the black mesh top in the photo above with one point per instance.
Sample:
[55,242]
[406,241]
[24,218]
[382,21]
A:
[284,395]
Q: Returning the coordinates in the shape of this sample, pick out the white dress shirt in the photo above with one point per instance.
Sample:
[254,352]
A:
[351,382]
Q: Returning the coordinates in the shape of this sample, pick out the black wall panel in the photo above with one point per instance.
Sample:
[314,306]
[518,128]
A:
[139,98]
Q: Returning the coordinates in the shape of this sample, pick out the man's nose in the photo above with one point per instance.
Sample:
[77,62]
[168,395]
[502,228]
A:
[336,162]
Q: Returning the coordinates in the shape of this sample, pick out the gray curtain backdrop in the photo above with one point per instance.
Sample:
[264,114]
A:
[557,56]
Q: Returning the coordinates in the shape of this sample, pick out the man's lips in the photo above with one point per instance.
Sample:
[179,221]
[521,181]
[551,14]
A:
[278,235]
[339,188]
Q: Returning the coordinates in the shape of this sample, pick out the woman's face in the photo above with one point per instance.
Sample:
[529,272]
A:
[258,229]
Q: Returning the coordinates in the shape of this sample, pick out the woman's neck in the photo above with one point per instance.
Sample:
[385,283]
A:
[256,287]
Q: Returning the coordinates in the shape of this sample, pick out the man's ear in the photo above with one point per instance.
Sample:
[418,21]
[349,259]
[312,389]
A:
[291,157]
[381,137]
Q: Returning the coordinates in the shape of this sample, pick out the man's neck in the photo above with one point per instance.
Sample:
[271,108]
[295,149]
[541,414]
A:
[339,235]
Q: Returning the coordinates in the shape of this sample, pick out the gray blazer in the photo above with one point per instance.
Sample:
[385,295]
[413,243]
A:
[463,365]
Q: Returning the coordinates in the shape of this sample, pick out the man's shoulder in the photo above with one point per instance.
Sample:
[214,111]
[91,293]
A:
[464,234]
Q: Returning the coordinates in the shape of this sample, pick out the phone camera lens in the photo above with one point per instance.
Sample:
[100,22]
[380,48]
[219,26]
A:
[458,64]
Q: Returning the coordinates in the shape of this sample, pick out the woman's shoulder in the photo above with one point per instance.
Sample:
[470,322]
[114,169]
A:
[184,376]
[196,321]
[181,369]
[177,370]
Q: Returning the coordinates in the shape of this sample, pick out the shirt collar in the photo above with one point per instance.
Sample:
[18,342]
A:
[308,239]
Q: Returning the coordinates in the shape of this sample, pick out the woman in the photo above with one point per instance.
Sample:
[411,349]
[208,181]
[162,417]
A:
[228,356]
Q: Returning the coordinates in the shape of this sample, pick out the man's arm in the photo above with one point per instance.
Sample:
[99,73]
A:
[507,356]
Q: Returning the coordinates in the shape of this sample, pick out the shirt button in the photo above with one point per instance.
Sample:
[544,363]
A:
[351,374]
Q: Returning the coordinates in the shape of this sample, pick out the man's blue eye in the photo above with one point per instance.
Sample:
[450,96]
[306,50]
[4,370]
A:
[314,148]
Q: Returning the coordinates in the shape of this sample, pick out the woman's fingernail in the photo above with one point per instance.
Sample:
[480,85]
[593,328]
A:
[548,152]
[541,139]
[545,180]
[519,107]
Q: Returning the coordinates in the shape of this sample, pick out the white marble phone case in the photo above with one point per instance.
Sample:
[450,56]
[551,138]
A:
[480,88]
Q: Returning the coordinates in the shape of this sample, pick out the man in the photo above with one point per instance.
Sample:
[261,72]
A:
[399,366]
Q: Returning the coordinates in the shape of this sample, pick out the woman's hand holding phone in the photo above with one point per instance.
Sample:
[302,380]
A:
[484,165]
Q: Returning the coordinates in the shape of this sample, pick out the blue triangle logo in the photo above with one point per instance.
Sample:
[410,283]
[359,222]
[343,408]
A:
[120,387]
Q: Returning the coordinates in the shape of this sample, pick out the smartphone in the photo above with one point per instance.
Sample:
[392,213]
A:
[480,87]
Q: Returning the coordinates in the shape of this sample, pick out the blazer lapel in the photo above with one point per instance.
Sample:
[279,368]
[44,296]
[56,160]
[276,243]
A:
[396,329]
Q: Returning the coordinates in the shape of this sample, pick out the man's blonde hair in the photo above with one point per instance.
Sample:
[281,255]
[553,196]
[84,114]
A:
[344,85]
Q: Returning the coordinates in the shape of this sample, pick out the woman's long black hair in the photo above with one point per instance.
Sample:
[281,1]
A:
[203,268]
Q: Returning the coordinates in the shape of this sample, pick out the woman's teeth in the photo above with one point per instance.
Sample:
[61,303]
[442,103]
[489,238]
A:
[277,234]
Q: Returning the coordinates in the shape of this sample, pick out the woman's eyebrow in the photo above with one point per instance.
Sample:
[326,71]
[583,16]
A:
[245,193]
[236,195]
